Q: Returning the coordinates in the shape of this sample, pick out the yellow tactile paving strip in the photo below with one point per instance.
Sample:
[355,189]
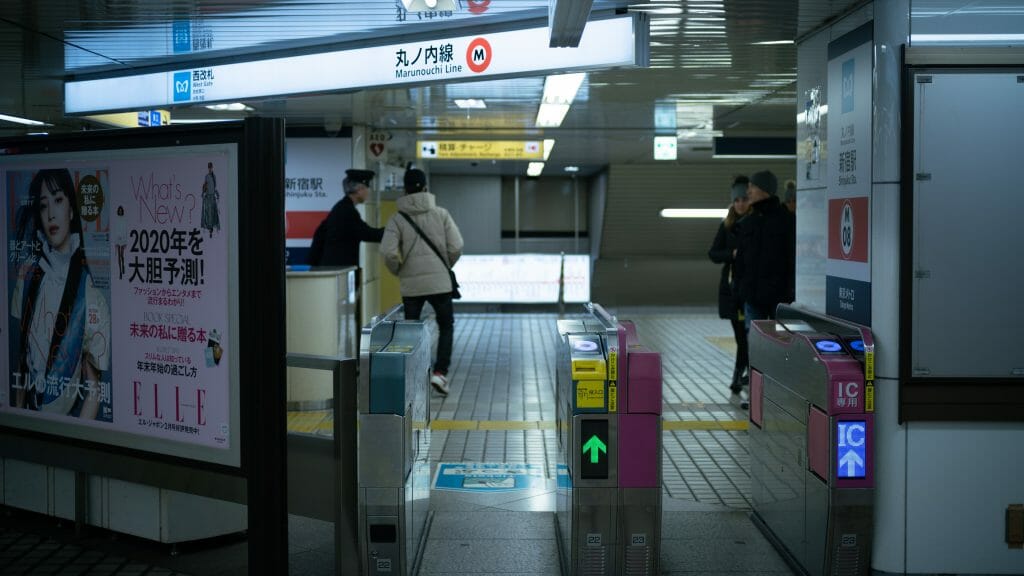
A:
[311,422]
[321,421]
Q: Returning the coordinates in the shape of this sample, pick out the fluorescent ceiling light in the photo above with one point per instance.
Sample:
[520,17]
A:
[233,107]
[572,168]
[658,10]
[534,169]
[698,134]
[562,88]
[716,213]
[551,115]
[559,92]
[772,43]
[19,120]
[960,38]
[466,103]
[549,143]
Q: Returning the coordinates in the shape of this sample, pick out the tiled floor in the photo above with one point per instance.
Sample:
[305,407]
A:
[501,409]
[699,464]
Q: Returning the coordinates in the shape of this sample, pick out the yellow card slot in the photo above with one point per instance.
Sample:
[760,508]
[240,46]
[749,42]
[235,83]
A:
[589,369]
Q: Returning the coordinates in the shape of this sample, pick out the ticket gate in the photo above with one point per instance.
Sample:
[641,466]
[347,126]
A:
[608,517]
[811,439]
[393,444]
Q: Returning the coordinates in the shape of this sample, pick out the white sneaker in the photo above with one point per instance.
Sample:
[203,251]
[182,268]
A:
[440,383]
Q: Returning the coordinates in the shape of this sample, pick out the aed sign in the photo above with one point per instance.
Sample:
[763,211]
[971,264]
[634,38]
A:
[851,448]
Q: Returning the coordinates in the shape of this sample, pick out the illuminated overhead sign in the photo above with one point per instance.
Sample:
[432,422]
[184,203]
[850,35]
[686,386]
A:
[480,150]
[617,41]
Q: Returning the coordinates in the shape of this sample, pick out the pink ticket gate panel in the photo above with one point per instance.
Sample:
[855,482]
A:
[812,439]
[608,420]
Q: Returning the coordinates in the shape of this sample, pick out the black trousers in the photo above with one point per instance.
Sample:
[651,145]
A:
[444,311]
[739,331]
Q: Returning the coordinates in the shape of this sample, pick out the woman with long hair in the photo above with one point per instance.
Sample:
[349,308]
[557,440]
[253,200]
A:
[61,340]
[723,251]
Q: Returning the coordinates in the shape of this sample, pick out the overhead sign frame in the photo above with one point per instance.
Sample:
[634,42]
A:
[478,53]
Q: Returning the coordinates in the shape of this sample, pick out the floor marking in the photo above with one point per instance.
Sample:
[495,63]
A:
[705,425]
[510,425]
[321,422]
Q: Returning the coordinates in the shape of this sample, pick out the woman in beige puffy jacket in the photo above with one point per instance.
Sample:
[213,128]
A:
[422,275]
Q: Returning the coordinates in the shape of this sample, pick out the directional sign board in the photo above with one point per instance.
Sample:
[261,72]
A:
[480,149]
[851,449]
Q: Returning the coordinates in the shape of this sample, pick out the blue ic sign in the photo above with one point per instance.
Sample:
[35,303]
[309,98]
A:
[848,68]
[154,118]
[183,86]
[851,453]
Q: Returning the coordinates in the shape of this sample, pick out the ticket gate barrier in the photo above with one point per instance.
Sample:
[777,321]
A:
[393,444]
[608,516]
[811,439]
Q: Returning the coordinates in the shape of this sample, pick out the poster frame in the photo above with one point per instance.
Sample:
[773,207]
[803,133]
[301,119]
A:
[259,261]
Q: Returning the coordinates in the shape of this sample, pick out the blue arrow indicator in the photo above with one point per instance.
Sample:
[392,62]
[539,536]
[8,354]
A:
[851,448]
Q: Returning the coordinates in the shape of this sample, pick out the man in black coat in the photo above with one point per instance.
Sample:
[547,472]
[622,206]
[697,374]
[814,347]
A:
[766,254]
[336,240]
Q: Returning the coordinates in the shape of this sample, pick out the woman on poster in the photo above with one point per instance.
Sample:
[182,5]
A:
[120,239]
[211,214]
[61,340]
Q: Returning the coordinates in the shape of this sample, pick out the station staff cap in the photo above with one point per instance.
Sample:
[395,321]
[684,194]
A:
[359,176]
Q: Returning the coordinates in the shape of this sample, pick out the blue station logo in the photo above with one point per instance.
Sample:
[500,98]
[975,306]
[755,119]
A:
[848,69]
[183,86]
[181,36]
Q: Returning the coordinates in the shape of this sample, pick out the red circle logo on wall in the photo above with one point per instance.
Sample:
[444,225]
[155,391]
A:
[478,6]
[478,55]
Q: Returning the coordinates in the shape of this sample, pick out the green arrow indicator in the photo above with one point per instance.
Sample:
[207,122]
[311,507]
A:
[594,445]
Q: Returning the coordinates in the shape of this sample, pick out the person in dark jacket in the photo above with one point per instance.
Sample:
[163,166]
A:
[336,240]
[766,255]
[722,251]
